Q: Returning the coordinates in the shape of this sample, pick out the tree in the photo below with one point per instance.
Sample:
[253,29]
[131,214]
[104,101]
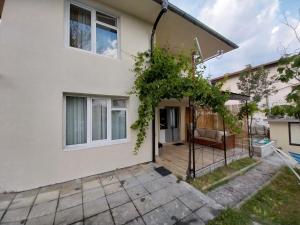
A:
[288,70]
[257,84]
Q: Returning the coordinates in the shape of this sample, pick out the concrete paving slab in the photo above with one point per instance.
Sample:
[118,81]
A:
[130,182]
[94,207]
[43,220]
[176,210]
[124,213]
[136,192]
[69,201]
[191,201]
[109,179]
[118,198]
[93,194]
[91,184]
[161,197]
[144,204]
[15,215]
[43,209]
[46,196]
[206,213]
[103,218]
[136,221]
[191,219]
[158,217]
[69,216]
[112,188]
[21,202]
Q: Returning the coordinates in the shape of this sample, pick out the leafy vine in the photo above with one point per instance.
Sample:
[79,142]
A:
[167,76]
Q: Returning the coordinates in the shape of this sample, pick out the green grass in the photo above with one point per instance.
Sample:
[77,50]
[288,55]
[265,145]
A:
[276,204]
[203,182]
[231,217]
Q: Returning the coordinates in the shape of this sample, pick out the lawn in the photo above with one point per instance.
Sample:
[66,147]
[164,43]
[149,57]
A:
[277,203]
[204,183]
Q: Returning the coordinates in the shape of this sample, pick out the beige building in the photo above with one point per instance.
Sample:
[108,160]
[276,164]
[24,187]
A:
[283,89]
[286,132]
[65,74]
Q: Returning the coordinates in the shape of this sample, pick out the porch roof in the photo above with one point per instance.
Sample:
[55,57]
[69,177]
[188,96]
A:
[177,29]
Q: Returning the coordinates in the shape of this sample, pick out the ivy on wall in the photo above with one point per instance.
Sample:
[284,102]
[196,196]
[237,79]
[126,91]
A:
[167,76]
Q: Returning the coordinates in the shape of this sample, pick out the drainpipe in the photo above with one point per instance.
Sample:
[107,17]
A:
[164,9]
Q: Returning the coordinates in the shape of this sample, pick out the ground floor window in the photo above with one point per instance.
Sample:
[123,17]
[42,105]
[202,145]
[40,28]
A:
[94,120]
[294,133]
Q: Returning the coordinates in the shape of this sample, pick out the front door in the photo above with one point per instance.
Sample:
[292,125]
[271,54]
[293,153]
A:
[172,128]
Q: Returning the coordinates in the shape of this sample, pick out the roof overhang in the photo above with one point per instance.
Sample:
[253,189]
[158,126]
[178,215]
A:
[177,29]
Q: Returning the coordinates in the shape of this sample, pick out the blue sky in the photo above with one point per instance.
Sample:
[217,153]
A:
[255,25]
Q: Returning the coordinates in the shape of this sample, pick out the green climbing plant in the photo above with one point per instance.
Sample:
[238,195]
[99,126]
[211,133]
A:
[167,75]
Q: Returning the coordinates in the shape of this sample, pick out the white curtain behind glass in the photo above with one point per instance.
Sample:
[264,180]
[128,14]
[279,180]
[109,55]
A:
[99,119]
[118,127]
[76,120]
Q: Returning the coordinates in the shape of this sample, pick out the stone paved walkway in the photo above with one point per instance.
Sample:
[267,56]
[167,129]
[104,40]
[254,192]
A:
[136,196]
[242,187]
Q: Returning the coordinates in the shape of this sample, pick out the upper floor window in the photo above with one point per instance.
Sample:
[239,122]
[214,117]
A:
[93,31]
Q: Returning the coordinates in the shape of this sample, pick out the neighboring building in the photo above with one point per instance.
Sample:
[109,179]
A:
[278,98]
[283,89]
[286,132]
[65,74]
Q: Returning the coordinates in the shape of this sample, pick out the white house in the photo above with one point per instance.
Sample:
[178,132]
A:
[65,74]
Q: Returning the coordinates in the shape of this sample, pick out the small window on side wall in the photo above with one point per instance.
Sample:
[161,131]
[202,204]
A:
[294,133]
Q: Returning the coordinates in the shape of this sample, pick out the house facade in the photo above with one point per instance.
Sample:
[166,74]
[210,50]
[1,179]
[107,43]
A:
[65,73]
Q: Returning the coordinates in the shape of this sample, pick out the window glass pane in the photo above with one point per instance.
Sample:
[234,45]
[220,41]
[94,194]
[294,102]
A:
[80,28]
[295,133]
[118,119]
[106,19]
[76,120]
[106,41]
[99,119]
[119,103]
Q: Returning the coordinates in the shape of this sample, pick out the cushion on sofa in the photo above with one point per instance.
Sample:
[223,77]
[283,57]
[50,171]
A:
[220,135]
[201,132]
[196,134]
[211,134]
[207,139]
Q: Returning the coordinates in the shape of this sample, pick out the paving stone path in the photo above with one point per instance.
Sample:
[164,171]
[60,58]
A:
[239,189]
[134,196]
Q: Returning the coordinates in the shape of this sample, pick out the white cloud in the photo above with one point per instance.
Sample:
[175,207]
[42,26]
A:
[255,25]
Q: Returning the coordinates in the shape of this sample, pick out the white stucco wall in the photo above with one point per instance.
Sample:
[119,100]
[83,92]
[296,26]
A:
[35,70]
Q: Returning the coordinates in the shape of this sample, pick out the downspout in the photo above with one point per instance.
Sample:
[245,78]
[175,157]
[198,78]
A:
[164,9]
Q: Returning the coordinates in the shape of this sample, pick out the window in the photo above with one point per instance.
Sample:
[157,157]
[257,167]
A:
[93,31]
[294,131]
[95,120]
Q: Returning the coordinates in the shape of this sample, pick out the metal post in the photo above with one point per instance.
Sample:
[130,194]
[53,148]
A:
[188,172]
[248,133]
[193,139]
[224,142]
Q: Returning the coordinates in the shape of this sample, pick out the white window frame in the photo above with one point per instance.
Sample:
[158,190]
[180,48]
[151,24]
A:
[96,143]
[94,23]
